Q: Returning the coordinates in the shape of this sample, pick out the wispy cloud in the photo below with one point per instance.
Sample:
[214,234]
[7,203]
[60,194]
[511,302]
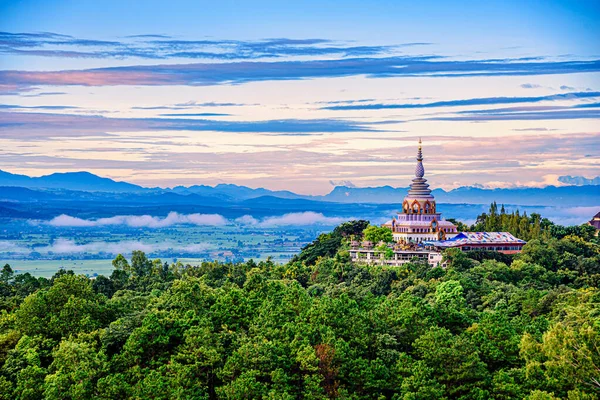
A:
[141,221]
[156,46]
[19,107]
[207,114]
[246,220]
[292,219]
[191,105]
[175,219]
[40,94]
[469,102]
[531,86]
[69,246]
[40,125]
[301,219]
[534,129]
[516,115]
[242,72]
[149,36]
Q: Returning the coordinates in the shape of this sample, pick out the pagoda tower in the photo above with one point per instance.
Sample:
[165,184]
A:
[419,220]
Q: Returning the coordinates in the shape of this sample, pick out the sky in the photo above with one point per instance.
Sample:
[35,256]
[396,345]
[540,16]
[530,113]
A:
[302,96]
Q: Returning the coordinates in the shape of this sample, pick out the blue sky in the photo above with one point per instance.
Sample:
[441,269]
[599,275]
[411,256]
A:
[294,95]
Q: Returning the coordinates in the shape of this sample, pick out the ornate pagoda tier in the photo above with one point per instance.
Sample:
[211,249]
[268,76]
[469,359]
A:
[419,221]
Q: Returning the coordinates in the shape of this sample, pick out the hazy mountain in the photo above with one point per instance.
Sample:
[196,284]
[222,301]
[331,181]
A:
[236,192]
[381,194]
[86,183]
[579,180]
[70,181]
[587,195]
[566,196]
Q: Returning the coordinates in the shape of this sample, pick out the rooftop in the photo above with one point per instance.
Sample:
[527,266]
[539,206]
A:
[464,238]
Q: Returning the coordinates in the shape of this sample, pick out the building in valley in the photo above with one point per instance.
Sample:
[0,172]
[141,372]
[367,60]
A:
[419,219]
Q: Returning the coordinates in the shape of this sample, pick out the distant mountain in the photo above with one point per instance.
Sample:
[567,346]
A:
[587,195]
[381,194]
[69,181]
[566,196]
[82,182]
[235,192]
[579,180]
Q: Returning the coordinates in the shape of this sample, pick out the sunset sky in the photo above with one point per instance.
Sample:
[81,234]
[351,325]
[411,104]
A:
[301,95]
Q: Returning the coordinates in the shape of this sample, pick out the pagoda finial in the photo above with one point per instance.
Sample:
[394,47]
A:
[419,171]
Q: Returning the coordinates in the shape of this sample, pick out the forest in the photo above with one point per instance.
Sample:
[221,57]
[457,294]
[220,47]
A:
[318,327]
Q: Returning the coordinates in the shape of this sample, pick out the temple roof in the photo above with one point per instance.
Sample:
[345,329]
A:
[466,238]
[419,188]
[595,221]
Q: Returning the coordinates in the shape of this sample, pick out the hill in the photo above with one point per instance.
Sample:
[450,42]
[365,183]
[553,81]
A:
[69,180]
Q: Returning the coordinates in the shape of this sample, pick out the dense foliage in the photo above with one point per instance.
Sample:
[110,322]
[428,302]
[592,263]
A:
[318,327]
[525,227]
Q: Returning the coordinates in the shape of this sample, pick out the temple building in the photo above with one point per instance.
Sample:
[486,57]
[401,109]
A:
[595,222]
[419,220]
[502,242]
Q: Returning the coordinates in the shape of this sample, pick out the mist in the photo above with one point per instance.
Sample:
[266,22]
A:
[142,221]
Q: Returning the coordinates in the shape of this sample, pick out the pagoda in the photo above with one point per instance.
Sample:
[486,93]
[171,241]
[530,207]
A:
[419,220]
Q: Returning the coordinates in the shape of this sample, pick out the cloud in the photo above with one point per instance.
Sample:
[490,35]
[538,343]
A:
[530,86]
[30,123]
[195,115]
[566,215]
[18,107]
[40,94]
[210,104]
[587,105]
[301,219]
[469,102]
[11,247]
[243,72]
[173,219]
[191,104]
[565,87]
[534,129]
[68,246]
[149,36]
[156,46]
[141,221]
[67,220]
[344,101]
[521,116]
[246,220]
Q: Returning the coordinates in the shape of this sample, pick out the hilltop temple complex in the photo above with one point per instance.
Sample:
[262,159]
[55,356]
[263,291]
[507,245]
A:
[419,220]
[421,233]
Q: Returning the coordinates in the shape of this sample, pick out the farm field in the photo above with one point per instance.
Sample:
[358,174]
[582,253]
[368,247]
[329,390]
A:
[43,250]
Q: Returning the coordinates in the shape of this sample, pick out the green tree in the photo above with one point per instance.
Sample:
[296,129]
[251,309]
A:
[378,234]
[569,353]
[68,307]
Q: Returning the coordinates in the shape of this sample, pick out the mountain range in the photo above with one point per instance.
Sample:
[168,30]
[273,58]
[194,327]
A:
[69,181]
[585,195]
